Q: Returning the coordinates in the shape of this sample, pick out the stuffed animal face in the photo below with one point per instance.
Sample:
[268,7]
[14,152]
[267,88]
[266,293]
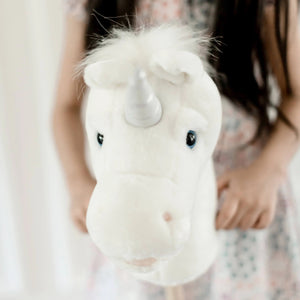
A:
[152,123]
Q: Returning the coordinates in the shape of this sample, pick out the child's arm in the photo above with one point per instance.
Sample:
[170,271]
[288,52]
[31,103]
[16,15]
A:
[67,126]
[251,193]
[283,142]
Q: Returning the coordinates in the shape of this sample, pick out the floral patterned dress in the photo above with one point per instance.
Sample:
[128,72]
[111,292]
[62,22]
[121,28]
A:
[253,264]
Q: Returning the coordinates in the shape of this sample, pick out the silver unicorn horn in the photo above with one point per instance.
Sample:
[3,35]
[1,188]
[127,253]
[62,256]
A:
[142,107]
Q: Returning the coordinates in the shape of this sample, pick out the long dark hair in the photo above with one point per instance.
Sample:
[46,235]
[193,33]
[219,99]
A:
[237,30]
[105,14]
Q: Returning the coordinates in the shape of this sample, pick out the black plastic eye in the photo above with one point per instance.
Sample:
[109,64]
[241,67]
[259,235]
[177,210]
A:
[191,139]
[100,138]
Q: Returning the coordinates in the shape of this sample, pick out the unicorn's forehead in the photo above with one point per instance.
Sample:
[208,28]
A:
[105,107]
[190,118]
[101,100]
[181,104]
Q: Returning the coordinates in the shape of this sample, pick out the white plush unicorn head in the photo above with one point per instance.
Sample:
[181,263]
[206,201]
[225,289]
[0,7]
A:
[153,118]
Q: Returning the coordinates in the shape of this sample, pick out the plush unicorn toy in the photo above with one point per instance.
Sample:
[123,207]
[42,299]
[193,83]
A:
[153,118]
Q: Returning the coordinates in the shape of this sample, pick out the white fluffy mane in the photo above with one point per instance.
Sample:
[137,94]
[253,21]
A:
[127,47]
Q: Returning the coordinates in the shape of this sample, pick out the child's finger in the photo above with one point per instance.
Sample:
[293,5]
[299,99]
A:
[264,220]
[80,225]
[227,211]
[240,214]
[222,182]
[266,216]
[249,219]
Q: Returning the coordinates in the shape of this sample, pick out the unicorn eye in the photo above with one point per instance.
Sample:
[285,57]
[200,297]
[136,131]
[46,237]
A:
[100,138]
[191,139]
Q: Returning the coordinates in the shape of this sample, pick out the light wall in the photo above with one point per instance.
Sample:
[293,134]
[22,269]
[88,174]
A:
[41,254]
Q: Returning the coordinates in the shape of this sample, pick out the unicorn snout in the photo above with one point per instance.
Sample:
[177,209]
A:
[138,220]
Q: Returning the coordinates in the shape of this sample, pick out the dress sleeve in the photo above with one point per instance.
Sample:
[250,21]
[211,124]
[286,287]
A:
[76,8]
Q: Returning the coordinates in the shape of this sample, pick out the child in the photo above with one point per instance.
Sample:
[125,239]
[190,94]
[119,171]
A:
[259,256]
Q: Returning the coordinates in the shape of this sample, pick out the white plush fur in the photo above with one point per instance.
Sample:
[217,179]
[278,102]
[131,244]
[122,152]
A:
[142,173]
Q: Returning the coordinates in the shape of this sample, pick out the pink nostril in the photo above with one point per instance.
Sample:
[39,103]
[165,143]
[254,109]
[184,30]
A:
[167,216]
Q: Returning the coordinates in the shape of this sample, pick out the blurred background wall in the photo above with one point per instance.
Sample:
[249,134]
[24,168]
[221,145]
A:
[41,255]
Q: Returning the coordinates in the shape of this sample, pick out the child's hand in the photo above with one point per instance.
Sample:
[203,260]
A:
[81,191]
[250,196]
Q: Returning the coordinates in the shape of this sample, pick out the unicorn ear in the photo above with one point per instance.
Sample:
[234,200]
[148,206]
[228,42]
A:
[93,74]
[176,67]
[105,74]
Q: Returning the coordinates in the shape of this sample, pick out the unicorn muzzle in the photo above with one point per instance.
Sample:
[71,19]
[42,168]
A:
[128,218]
